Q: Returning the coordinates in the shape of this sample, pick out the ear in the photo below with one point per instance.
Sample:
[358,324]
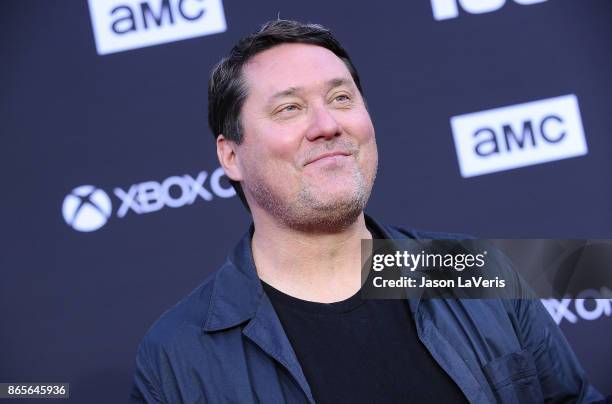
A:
[226,152]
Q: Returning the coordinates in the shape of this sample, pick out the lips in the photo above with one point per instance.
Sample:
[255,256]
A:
[328,154]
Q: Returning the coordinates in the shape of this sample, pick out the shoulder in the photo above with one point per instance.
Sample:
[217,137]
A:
[498,263]
[432,235]
[419,234]
[181,322]
[402,232]
[176,348]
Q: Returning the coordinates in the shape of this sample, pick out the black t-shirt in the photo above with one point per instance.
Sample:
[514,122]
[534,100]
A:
[362,351]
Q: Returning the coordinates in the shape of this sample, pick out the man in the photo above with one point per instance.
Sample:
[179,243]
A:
[282,319]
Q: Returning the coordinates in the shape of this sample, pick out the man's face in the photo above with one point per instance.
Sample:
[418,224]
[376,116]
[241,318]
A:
[308,156]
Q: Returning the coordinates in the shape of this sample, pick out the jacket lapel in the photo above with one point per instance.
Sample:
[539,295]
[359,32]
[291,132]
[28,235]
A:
[238,297]
[441,349]
[266,331]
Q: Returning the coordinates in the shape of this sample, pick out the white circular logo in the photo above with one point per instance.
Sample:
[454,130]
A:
[86,208]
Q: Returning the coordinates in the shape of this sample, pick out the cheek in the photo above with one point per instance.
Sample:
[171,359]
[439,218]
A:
[270,158]
[369,129]
[276,145]
[363,131]
[370,155]
[360,126]
[266,139]
[284,146]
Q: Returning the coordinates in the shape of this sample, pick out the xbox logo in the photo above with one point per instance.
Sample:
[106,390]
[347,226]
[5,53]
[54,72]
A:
[86,208]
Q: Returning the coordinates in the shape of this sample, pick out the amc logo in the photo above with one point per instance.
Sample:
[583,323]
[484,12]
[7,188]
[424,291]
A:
[121,25]
[446,9]
[518,135]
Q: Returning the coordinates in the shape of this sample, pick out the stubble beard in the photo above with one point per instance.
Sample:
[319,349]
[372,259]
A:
[311,213]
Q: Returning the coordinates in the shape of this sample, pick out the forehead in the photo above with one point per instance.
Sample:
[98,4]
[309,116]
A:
[293,65]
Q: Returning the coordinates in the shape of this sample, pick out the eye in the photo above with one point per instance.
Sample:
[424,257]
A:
[342,98]
[289,108]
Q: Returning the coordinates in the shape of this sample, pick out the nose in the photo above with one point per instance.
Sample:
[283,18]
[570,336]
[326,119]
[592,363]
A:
[323,124]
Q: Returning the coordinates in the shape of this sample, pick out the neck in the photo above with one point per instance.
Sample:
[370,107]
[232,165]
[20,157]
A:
[316,266]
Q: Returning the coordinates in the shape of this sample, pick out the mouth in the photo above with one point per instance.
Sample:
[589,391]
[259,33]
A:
[328,156]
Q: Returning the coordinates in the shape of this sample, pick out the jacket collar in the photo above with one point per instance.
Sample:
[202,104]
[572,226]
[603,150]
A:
[237,292]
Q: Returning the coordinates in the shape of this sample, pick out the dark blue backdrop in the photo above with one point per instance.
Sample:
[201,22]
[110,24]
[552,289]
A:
[75,304]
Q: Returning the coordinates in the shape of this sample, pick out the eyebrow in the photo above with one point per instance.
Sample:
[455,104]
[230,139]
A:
[337,82]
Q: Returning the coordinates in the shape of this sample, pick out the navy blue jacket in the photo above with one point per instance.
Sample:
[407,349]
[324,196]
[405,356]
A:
[224,344]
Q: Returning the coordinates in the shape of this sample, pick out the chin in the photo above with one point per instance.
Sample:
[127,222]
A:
[322,207]
[335,212]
